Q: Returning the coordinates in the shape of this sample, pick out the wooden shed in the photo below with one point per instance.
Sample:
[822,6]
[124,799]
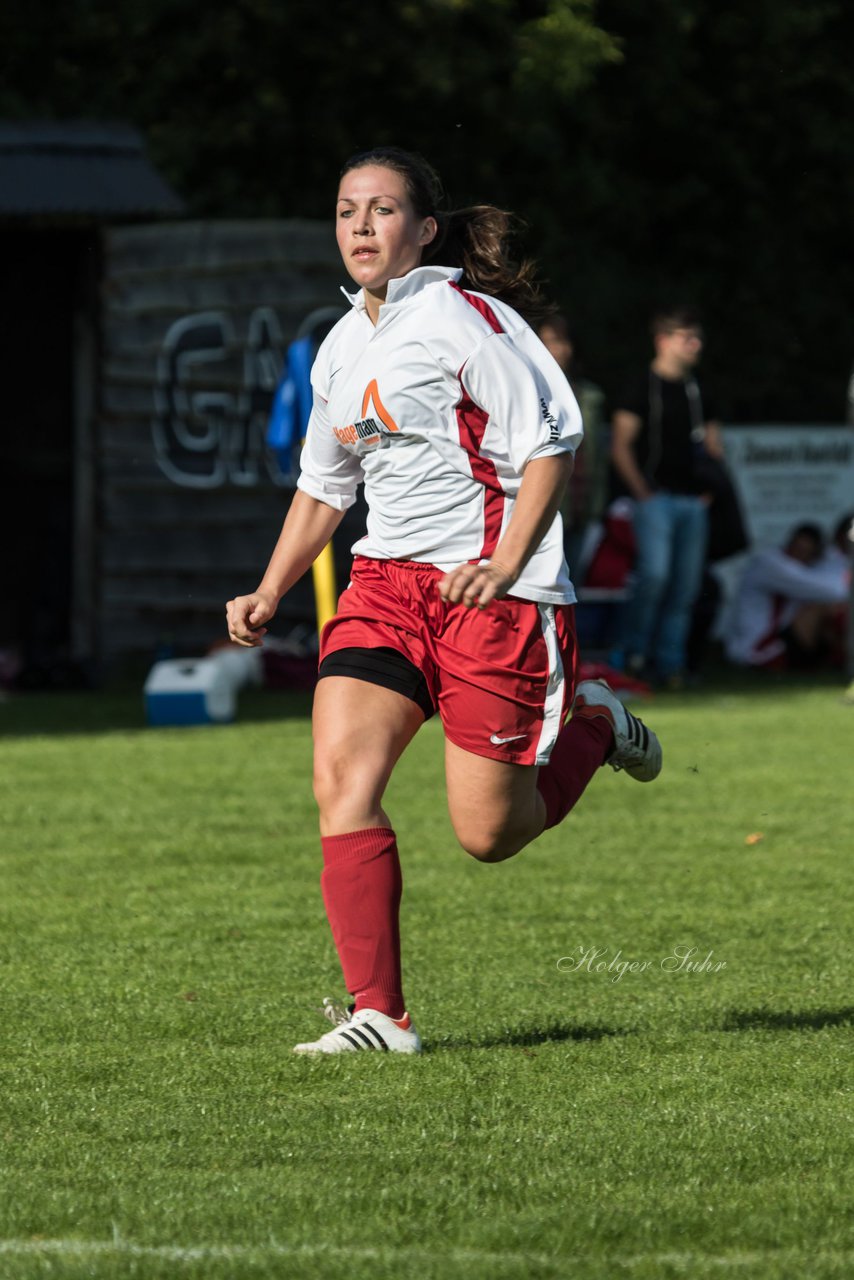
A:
[61,184]
[196,320]
[139,359]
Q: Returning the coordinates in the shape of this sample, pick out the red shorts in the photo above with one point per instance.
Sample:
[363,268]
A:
[502,677]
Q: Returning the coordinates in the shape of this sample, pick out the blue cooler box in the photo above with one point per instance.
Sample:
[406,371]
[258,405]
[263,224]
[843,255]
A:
[189,691]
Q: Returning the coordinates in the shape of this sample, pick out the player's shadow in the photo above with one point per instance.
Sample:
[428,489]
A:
[530,1037]
[786,1020]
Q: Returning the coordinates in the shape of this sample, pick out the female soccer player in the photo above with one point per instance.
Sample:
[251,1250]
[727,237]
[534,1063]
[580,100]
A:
[436,393]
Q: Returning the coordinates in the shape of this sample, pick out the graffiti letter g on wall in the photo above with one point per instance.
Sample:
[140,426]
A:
[191,426]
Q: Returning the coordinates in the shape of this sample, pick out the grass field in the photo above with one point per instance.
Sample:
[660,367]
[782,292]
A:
[163,945]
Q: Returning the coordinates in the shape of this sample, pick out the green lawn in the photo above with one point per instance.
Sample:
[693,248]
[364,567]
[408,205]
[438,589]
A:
[163,945]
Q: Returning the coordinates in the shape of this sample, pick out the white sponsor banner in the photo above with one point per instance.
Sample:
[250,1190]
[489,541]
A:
[785,476]
[791,475]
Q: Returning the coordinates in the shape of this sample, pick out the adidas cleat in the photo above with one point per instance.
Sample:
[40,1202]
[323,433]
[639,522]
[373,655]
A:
[636,749]
[367,1029]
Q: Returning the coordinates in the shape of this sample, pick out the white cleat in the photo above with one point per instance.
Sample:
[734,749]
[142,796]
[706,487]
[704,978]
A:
[637,749]
[367,1029]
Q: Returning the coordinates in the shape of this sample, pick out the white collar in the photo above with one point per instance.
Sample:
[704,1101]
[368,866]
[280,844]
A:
[407,286]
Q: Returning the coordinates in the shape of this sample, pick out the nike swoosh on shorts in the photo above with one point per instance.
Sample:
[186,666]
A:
[497,742]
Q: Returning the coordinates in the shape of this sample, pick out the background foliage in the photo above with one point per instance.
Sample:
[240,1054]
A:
[676,148]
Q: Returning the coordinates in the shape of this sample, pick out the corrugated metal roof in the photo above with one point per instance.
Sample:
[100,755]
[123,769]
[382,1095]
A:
[79,168]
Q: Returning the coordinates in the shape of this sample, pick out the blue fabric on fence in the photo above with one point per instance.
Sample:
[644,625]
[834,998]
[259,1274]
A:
[291,406]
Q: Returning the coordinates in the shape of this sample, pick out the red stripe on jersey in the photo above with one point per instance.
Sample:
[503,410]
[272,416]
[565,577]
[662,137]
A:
[472,420]
[481,305]
[471,423]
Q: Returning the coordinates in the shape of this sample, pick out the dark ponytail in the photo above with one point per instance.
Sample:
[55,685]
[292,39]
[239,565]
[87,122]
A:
[475,239]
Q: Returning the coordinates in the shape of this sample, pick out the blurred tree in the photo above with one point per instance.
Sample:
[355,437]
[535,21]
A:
[674,147]
[713,164]
[249,108]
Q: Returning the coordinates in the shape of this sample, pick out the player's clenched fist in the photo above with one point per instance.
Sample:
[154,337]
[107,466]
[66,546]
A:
[246,616]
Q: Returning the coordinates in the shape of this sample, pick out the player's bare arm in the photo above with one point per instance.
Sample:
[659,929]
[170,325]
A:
[540,493]
[307,529]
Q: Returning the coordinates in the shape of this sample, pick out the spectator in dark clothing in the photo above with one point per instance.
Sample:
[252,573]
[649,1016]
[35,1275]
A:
[727,536]
[661,429]
[587,490]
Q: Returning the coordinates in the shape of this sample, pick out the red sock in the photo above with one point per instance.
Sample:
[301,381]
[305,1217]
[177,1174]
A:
[362,884]
[583,744]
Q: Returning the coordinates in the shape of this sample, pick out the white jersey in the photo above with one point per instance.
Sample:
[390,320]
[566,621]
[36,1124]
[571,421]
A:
[438,408]
[772,590]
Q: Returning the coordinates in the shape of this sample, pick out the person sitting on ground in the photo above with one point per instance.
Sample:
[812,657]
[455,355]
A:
[788,610]
[837,558]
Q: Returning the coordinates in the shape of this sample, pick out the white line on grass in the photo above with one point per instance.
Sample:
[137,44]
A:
[248,1253]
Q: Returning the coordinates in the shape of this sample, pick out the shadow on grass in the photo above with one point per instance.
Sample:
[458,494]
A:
[734,682]
[119,705]
[530,1037]
[788,1020]
[122,710]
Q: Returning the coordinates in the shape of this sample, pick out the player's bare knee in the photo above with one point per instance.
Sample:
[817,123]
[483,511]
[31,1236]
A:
[346,790]
[490,846]
[335,783]
[327,778]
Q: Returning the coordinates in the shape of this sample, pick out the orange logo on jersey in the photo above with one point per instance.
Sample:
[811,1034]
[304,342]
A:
[372,395]
[374,422]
